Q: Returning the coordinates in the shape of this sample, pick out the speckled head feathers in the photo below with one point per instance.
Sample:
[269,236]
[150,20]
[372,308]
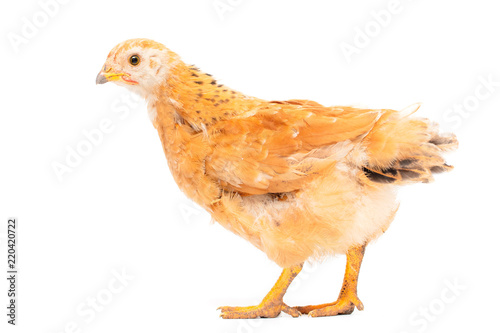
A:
[138,64]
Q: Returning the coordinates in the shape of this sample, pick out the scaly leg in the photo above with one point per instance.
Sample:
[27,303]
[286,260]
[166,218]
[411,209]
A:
[272,305]
[348,298]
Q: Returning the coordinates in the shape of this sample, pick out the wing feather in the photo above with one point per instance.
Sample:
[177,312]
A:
[281,145]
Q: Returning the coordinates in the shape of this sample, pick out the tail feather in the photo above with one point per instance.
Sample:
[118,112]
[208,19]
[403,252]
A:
[406,150]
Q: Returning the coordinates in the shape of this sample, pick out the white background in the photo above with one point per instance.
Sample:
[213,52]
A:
[119,209]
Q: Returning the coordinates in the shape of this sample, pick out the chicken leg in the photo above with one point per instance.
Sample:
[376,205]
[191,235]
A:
[272,305]
[348,298]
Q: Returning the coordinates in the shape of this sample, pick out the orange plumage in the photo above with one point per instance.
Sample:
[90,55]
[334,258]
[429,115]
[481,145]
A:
[299,180]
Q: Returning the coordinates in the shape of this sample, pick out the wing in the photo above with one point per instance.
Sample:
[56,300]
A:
[279,146]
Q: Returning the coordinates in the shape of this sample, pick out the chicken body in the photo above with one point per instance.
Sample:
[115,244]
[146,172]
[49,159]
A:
[298,180]
[331,207]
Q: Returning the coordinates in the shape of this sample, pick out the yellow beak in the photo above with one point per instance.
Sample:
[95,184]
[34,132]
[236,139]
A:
[107,75]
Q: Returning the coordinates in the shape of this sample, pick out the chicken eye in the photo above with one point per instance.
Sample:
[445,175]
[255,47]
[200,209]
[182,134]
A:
[134,60]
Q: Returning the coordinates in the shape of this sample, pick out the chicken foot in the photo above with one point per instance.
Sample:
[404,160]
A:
[348,298]
[272,305]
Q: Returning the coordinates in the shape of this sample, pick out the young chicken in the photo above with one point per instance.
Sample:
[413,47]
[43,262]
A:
[298,180]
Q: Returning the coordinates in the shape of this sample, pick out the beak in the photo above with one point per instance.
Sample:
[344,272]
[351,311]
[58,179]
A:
[107,75]
[101,79]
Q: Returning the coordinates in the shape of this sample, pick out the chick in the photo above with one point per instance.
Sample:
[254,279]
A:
[298,180]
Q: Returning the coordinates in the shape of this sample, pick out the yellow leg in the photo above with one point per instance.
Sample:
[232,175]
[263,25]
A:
[348,298]
[272,305]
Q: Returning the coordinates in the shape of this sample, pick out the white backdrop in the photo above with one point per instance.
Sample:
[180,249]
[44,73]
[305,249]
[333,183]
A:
[112,245]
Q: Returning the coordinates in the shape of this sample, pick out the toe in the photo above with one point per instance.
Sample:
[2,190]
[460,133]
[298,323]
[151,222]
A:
[309,308]
[262,311]
[304,309]
[294,312]
[333,310]
[239,314]
[231,308]
[359,305]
